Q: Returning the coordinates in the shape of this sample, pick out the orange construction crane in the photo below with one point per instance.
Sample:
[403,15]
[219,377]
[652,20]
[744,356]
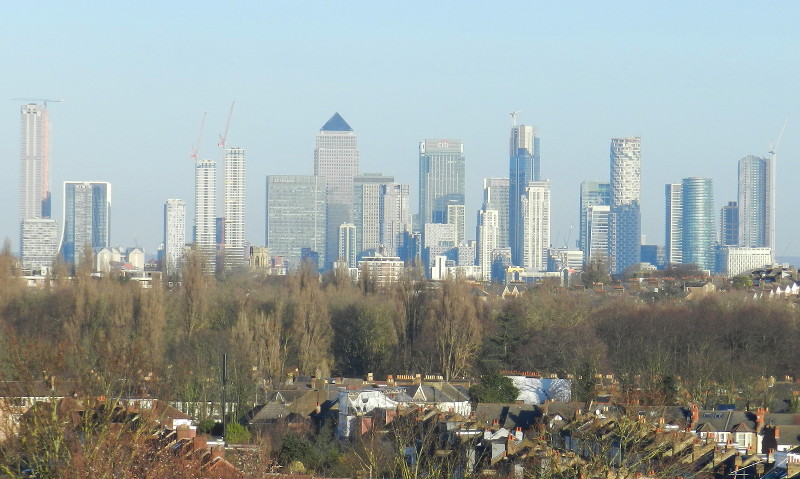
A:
[224,137]
[196,147]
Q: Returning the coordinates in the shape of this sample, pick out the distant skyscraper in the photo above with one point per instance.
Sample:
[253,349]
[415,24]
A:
[441,179]
[34,163]
[487,235]
[729,224]
[756,207]
[626,226]
[174,236]
[593,193]
[495,197]
[296,217]
[367,194]
[699,230]
[673,223]
[438,240]
[523,168]
[87,218]
[336,160]
[347,244]
[205,213]
[455,217]
[233,232]
[536,225]
[597,234]
[395,217]
[38,243]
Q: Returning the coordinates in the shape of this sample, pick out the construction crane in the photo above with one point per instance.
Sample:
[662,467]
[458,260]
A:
[224,137]
[44,101]
[514,117]
[196,147]
[773,151]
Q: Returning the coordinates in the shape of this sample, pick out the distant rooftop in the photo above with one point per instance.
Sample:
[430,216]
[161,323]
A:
[336,123]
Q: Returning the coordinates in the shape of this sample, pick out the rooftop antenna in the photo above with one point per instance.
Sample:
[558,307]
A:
[514,117]
[196,147]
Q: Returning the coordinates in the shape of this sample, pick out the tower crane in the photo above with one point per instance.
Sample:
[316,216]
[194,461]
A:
[224,137]
[196,147]
[44,101]
[773,151]
[514,117]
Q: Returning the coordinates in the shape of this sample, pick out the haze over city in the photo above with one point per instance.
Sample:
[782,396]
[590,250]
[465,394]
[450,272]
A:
[703,85]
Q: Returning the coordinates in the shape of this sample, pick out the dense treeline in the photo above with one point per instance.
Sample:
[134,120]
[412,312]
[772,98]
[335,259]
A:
[112,336]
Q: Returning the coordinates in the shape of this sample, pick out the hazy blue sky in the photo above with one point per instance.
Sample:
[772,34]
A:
[703,84]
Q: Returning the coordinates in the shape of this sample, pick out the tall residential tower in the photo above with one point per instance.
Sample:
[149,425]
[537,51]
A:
[626,221]
[756,203]
[233,231]
[174,237]
[205,218]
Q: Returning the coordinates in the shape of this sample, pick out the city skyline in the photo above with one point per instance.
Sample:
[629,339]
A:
[683,94]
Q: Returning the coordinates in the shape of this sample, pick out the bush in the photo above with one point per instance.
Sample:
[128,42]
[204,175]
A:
[236,433]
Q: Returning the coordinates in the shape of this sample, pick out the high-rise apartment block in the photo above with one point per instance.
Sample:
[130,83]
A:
[455,217]
[756,202]
[626,227]
[347,244]
[234,202]
[296,217]
[487,234]
[336,159]
[87,218]
[174,237]
[729,224]
[495,197]
[205,216]
[441,179]
[395,217]
[536,225]
[699,230]
[381,213]
[593,193]
[673,223]
[38,243]
[597,234]
[34,162]
[523,168]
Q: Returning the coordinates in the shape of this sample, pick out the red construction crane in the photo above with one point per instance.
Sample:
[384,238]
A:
[224,137]
[196,147]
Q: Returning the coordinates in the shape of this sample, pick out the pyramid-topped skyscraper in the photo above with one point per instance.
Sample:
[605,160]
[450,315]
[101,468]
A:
[336,159]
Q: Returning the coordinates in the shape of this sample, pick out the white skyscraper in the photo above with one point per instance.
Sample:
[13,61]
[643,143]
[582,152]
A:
[536,225]
[626,220]
[336,159]
[34,186]
[495,197]
[234,208]
[488,234]
[673,223]
[205,201]
[395,216]
[174,236]
[455,217]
